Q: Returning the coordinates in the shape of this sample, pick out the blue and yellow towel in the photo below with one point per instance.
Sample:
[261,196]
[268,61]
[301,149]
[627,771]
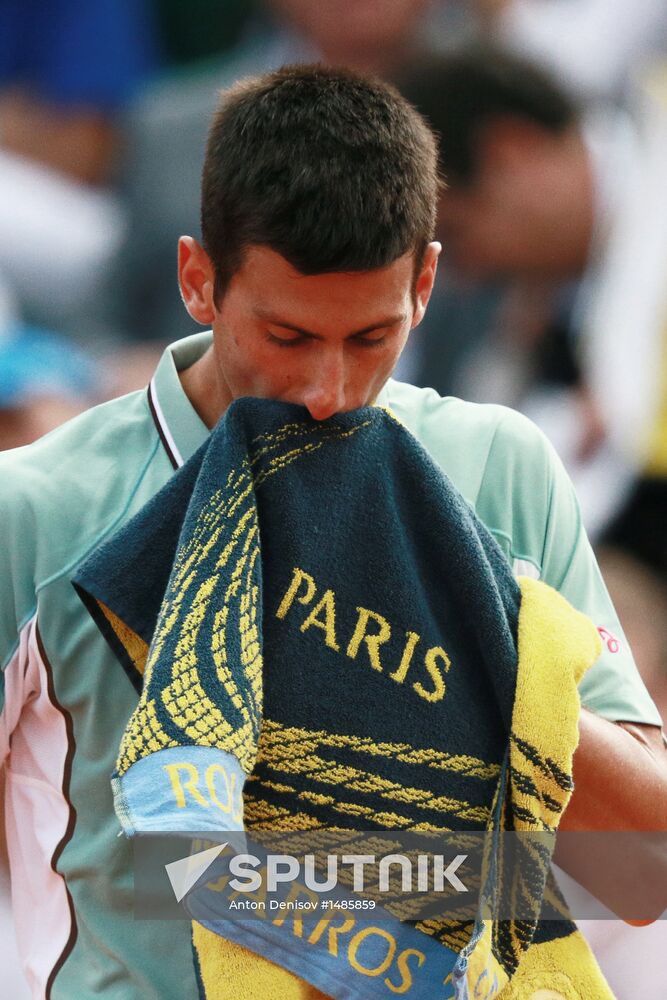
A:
[325,635]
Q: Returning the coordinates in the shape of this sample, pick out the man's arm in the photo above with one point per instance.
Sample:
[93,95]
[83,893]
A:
[620,777]
[620,784]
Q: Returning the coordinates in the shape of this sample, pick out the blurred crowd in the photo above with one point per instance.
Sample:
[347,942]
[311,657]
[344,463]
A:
[552,292]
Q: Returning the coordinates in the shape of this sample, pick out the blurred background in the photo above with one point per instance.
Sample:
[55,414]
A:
[552,291]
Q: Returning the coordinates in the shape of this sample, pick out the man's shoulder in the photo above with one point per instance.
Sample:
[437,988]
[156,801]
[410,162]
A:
[77,447]
[470,441]
[58,494]
[424,406]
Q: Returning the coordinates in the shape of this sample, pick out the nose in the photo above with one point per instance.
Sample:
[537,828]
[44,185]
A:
[325,393]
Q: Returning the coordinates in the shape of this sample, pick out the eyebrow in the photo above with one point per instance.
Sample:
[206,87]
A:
[383,324]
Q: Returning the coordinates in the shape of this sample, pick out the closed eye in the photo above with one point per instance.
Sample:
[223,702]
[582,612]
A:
[287,340]
[365,341]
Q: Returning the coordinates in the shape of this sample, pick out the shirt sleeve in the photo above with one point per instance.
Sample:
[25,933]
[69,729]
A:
[545,531]
[17,600]
[613,687]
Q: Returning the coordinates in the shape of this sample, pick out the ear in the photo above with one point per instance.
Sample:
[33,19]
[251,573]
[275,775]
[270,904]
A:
[425,281]
[196,280]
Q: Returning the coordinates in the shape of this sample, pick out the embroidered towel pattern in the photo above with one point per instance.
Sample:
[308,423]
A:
[324,635]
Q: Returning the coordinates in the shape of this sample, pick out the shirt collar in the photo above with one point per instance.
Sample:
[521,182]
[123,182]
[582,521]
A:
[180,427]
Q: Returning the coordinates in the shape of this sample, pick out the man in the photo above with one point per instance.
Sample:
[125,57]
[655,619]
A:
[564,210]
[520,204]
[318,208]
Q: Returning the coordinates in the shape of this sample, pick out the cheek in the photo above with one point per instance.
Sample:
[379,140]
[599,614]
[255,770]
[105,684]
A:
[262,374]
[370,374]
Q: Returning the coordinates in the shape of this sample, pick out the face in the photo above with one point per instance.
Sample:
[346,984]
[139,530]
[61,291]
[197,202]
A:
[498,225]
[344,27]
[482,238]
[327,342]
[526,213]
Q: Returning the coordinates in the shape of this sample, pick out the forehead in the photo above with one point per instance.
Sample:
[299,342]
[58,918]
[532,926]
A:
[266,281]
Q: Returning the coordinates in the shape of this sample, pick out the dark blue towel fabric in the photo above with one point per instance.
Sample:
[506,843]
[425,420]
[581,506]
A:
[325,630]
[384,608]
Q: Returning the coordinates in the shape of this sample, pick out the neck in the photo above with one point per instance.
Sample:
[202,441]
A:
[204,388]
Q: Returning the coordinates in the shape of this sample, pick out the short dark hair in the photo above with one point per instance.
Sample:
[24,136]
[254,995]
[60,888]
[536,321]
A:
[461,92]
[330,169]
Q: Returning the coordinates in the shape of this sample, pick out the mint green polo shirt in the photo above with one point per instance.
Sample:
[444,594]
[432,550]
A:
[65,699]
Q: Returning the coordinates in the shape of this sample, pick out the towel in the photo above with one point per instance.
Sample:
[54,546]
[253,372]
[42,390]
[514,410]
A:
[324,635]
